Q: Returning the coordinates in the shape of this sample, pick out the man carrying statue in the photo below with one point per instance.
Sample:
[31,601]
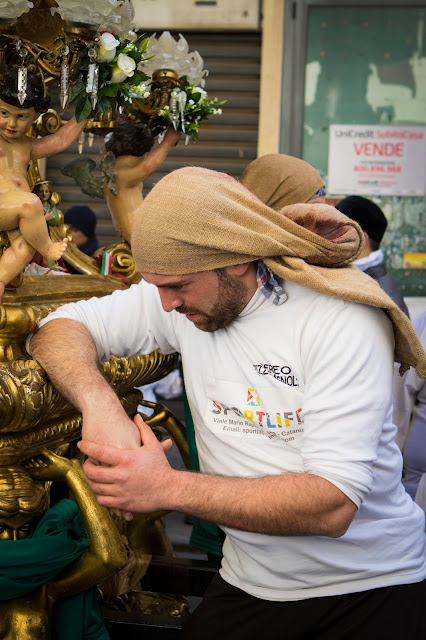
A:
[287,355]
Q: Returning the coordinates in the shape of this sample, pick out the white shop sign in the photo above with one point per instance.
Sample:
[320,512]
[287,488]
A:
[381,160]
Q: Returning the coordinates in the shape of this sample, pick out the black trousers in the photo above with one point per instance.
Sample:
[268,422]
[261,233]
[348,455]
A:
[388,613]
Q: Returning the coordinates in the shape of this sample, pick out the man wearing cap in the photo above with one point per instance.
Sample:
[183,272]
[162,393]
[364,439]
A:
[283,345]
[372,221]
[81,222]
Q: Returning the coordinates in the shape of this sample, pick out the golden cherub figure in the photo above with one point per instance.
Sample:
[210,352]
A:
[22,500]
[21,212]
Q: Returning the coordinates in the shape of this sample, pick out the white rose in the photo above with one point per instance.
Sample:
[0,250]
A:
[199,90]
[125,68]
[107,47]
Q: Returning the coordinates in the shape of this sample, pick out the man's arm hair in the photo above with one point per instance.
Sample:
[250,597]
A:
[293,504]
[66,351]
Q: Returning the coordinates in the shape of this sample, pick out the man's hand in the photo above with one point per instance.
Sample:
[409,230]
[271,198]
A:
[130,479]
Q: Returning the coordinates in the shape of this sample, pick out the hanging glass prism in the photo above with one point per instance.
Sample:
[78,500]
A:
[94,90]
[65,73]
[22,84]
[22,74]
[174,108]
[90,76]
[81,139]
[90,138]
[182,102]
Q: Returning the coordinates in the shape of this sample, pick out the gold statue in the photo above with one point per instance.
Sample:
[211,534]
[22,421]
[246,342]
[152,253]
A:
[22,498]
[21,212]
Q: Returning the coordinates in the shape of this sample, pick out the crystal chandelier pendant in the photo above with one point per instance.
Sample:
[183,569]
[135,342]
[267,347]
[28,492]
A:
[90,76]
[182,102]
[90,138]
[22,74]
[65,72]
[22,84]
[94,90]
[91,70]
[81,139]
[174,108]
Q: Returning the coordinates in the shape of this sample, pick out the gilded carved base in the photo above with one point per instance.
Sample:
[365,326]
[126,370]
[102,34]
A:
[33,415]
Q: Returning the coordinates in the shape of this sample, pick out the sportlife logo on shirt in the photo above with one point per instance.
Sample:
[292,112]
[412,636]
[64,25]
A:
[255,415]
[282,373]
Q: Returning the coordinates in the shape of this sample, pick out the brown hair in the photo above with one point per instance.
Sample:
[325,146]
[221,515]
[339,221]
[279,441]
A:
[35,97]
[130,139]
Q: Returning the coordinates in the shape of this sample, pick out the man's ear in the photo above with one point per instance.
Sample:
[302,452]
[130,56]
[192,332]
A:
[239,269]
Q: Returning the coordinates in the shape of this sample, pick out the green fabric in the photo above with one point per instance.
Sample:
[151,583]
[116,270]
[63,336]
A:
[204,535]
[25,565]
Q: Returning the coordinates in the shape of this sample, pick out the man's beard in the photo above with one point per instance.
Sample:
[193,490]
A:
[231,300]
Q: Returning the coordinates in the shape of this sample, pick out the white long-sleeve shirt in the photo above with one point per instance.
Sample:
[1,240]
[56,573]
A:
[302,387]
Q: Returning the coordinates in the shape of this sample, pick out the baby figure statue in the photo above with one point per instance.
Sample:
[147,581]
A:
[43,189]
[21,212]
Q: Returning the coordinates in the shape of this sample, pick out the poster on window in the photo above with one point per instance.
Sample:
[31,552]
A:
[377,160]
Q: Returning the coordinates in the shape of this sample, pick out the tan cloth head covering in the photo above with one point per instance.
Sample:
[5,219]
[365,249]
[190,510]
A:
[279,180]
[195,220]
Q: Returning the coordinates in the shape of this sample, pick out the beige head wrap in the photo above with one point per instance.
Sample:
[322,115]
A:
[279,180]
[195,220]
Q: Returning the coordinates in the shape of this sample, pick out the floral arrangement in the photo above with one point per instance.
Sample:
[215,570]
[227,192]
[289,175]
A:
[189,105]
[109,73]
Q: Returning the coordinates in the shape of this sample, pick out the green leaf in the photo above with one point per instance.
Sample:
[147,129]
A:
[83,109]
[136,78]
[76,89]
[104,104]
[111,90]
[143,45]
[104,72]
[135,55]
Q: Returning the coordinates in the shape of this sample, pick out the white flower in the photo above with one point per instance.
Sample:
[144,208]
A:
[191,102]
[125,68]
[146,94]
[199,90]
[107,46]
[217,111]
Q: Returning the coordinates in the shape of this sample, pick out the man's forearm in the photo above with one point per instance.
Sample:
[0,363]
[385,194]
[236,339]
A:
[293,504]
[287,505]
[66,351]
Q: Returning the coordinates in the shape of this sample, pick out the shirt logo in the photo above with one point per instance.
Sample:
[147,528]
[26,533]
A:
[282,373]
[256,415]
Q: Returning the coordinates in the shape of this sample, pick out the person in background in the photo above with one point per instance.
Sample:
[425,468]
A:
[409,399]
[279,180]
[372,221]
[81,222]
